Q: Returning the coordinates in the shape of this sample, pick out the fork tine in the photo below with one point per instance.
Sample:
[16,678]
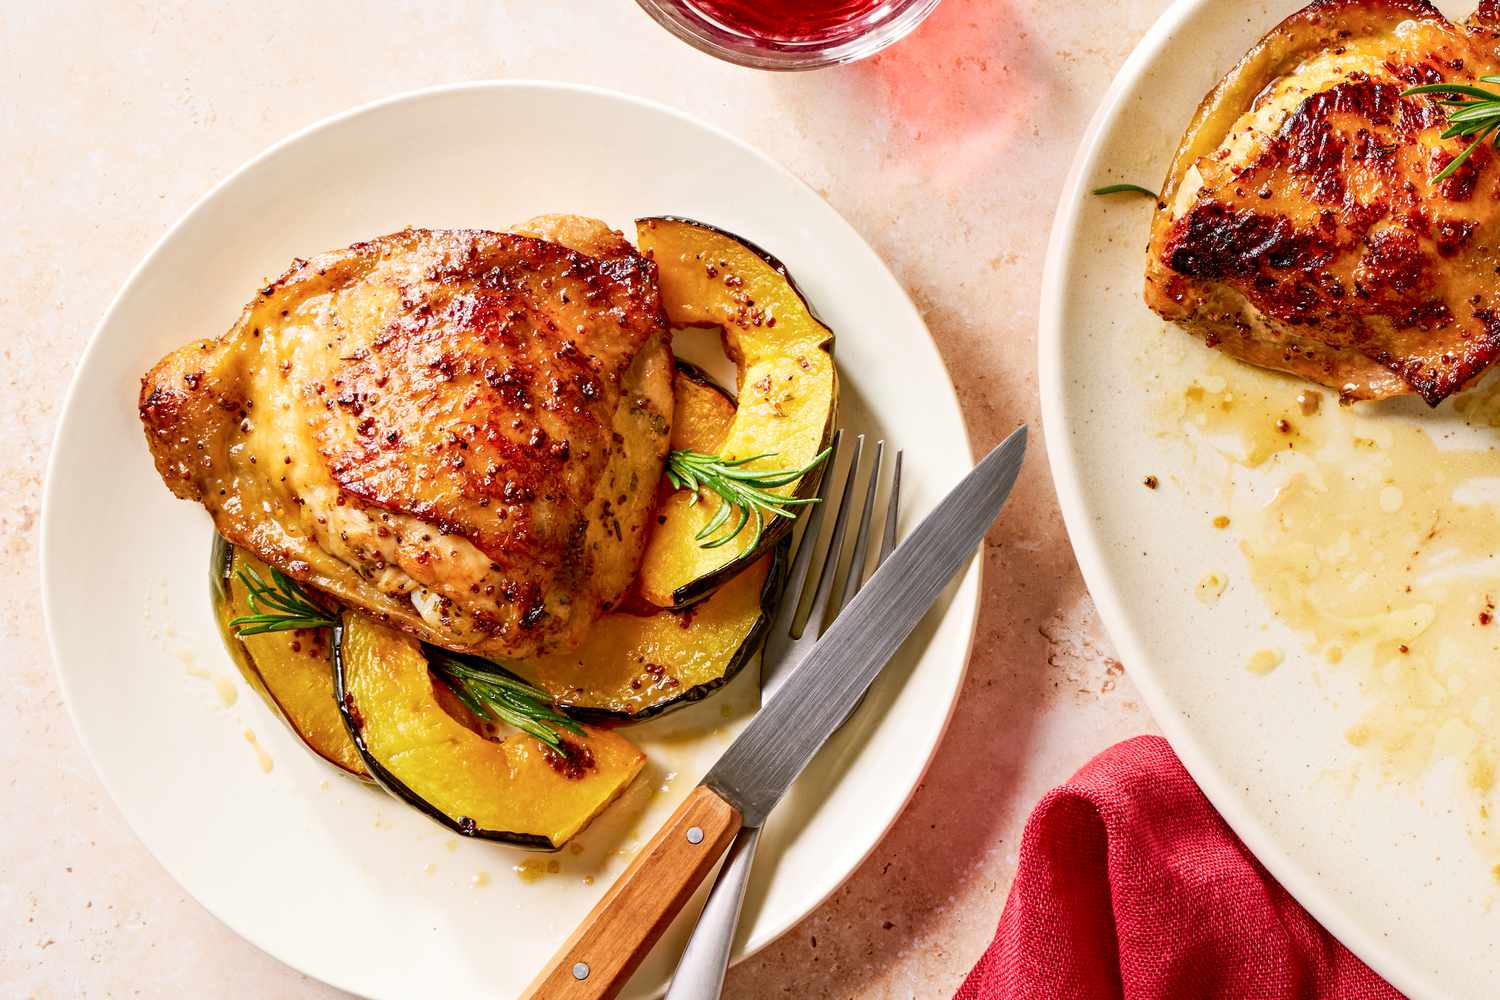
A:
[796,577]
[830,568]
[855,578]
[888,542]
[892,514]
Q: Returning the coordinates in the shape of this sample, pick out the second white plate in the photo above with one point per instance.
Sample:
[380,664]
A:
[1388,856]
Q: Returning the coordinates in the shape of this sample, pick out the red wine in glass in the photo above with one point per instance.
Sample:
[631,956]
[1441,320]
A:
[787,20]
[789,34]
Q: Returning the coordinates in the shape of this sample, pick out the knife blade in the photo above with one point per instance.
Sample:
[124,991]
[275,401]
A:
[762,762]
[759,766]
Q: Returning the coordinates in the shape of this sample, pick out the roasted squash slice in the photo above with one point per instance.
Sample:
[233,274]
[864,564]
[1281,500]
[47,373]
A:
[639,665]
[787,393]
[419,748]
[291,671]
[702,411]
[643,660]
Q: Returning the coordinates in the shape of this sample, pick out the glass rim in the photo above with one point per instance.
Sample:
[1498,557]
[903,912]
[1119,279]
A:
[782,55]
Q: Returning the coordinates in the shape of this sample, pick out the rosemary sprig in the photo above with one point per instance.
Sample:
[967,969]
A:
[278,606]
[283,605]
[1126,189]
[739,489]
[499,697]
[1476,119]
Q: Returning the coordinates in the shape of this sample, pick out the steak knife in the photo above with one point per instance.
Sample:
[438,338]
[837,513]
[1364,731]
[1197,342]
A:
[760,765]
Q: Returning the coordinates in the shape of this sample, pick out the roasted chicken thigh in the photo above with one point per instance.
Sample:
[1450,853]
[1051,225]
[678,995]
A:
[1300,227]
[460,432]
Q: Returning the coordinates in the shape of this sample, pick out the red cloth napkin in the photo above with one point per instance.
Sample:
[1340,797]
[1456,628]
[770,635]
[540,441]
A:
[1131,886]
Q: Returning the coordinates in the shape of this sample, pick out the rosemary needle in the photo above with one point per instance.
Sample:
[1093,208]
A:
[279,606]
[739,489]
[1126,189]
[496,696]
[1476,119]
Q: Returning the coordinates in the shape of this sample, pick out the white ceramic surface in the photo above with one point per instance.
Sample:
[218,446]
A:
[1388,867]
[332,877]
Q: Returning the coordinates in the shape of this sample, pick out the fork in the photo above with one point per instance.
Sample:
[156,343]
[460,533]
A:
[700,971]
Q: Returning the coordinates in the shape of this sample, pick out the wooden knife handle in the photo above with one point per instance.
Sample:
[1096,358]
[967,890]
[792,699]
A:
[616,935]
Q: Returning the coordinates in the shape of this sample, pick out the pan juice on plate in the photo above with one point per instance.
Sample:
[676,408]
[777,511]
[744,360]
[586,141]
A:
[1370,532]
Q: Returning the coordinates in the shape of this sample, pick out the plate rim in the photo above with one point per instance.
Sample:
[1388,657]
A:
[1294,876]
[966,597]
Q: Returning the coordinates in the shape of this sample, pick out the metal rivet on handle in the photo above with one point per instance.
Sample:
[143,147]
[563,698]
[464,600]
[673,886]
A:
[580,971]
[695,835]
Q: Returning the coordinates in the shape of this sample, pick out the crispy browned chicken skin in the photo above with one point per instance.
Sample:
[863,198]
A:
[461,432]
[1299,228]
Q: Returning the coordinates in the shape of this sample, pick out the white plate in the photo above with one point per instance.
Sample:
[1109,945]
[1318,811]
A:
[1388,866]
[325,874]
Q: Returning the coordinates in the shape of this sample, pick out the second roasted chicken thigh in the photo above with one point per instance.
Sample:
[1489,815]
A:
[1302,227]
[460,432]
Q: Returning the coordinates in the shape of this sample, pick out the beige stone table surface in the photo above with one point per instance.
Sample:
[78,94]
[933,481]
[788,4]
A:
[947,152]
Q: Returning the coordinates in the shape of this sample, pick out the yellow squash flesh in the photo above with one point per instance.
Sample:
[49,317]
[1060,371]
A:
[291,671]
[787,394]
[514,790]
[639,665]
[702,413]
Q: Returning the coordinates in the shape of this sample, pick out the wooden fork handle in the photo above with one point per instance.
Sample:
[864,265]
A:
[616,935]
